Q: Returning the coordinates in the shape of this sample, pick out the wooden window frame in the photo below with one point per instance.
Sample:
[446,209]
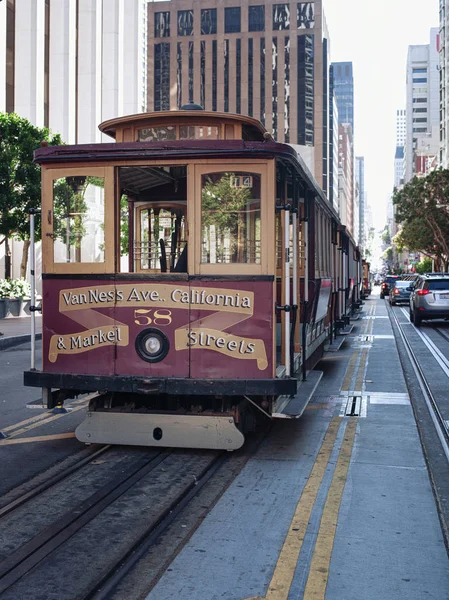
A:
[49,174]
[267,207]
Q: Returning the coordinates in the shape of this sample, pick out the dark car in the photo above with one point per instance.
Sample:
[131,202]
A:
[400,292]
[386,285]
[430,298]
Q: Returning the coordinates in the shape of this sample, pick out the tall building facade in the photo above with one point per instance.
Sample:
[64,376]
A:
[343,86]
[422,111]
[401,126]
[344,91]
[360,179]
[269,61]
[68,65]
[346,179]
[444,83]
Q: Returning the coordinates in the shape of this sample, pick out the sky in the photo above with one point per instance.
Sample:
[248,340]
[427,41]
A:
[375,37]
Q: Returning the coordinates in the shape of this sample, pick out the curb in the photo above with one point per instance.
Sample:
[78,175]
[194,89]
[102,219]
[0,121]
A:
[15,340]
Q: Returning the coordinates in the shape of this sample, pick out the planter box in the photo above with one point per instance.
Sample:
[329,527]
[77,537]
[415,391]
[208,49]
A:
[14,306]
[3,308]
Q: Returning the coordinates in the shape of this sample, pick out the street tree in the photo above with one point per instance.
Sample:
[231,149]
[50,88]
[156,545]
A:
[422,208]
[20,181]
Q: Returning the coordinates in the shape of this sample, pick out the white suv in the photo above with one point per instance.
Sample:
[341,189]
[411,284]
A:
[429,298]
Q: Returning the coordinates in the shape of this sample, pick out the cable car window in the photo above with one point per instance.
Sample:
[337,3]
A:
[78,219]
[189,132]
[162,243]
[156,134]
[230,218]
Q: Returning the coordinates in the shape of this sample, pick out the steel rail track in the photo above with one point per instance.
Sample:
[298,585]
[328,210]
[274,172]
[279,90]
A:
[440,424]
[442,333]
[109,583]
[17,564]
[45,485]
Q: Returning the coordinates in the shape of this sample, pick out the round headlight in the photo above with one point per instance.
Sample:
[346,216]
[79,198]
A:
[152,345]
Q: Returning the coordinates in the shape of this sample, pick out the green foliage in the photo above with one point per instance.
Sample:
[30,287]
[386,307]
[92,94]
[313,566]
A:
[425,266]
[422,208]
[20,178]
[388,254]
[222,203]
[385,236]
[124,226]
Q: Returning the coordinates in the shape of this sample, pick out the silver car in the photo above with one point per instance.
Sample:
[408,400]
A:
[429,298]
[400,292]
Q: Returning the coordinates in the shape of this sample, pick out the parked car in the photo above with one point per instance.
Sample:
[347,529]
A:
[429,298]
[400,292]
[386,285]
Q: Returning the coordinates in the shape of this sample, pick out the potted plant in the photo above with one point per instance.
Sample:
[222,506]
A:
[20,289]
[5,292]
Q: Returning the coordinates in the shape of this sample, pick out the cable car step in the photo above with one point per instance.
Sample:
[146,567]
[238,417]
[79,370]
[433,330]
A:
[347,330]
[336,344]
[173,431]
[293,407]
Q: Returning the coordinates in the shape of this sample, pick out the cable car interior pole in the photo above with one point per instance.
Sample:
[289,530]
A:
[33,308]
[306,285]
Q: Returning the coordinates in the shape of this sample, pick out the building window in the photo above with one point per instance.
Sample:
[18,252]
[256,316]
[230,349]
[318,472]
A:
[232,19]
[419,79]
[208,21]
[287,90]
[185,22]
[179,74]
[305,90]
[274,87]
[226,76]
[305,15]
[250,77]
[162,76]
[214,74]
[419,71]
[420,120]
[238,68]
[256,18]
[420,110]
[191,72]
[203,74]
[419,100]
[281,17]
[419,129]
[161,24]
[262,81]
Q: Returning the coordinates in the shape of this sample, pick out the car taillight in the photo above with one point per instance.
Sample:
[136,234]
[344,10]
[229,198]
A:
[422,292]
[384,285]
[396,291]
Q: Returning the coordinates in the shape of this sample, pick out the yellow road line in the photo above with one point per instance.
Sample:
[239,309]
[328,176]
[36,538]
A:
[50,418]
[41,417]
[26,422]
[284,571]
[361,370]
[321,558]
[40,438]
[350,372]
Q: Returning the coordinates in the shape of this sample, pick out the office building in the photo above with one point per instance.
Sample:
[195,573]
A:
[269,61]
[68,65]
[344,91]
[422,112]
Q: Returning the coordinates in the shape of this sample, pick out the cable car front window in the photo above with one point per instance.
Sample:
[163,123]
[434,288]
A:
[230,218]
[79,219]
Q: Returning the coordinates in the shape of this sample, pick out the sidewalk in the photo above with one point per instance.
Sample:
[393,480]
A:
[17,330]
